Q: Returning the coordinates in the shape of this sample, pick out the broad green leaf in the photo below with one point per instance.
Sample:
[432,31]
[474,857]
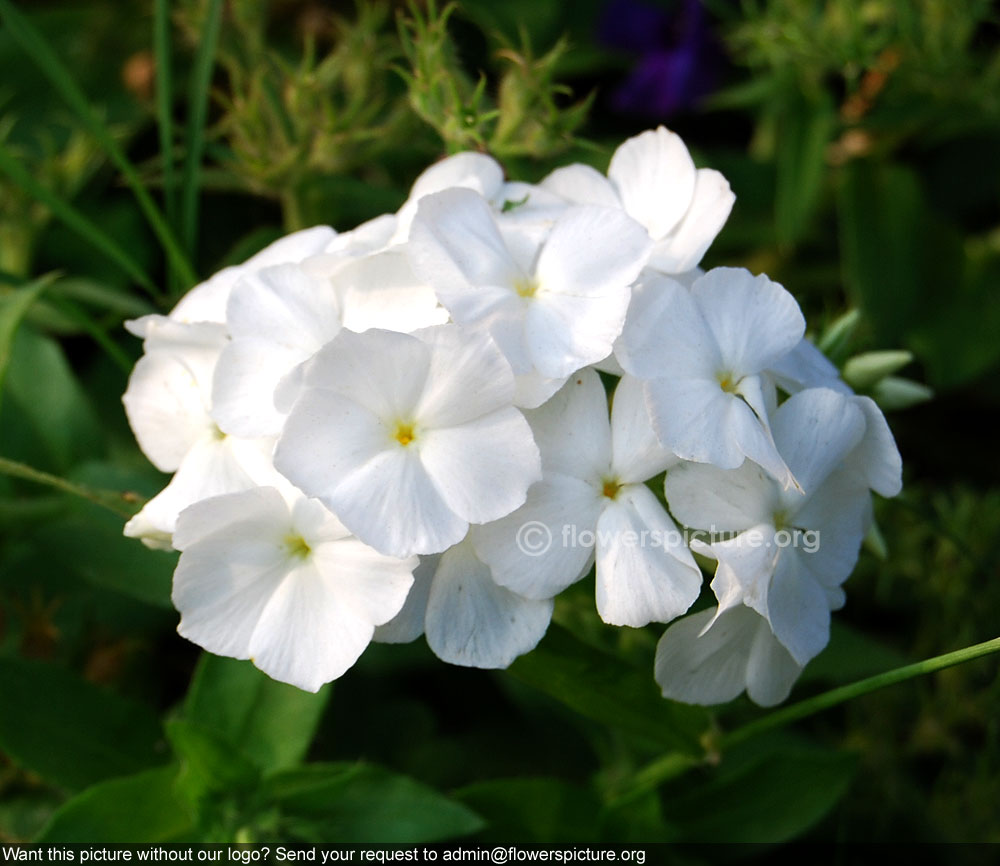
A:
[774,797]
[50,427]
[534,810]
[137,809]
[14,305]
[364,803]
[70,732]
[269,722]
[210,766]
[611,692]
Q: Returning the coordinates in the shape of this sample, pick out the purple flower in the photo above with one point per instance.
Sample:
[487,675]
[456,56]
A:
[678,58]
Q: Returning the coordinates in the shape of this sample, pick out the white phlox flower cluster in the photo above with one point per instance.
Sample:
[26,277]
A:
[361,426]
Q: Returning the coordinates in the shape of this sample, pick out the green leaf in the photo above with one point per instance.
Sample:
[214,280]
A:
[610,691]
[41,54]
[51,427]
[142,808]
[210,766]
[70,732]
[364,803]
[774,797]
[804,130]
[534,810]
[14,305]
[269,722]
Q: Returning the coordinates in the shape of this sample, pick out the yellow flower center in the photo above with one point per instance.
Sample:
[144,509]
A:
[727,382]
[403,433]
[611,488]
[525,287]
[297,546]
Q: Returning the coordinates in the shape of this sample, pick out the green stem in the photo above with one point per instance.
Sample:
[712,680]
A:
[840,695]
[122,504]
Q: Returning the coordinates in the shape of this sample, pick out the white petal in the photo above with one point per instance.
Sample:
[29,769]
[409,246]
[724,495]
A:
[408,624]
[471,621]
[683,248]
[746,566]
[381,291]
[833,520]
[293,248]
[483,468]
[467,378]
[797,610]
[246,377]
[325,439]
[706,667]
[636,452]
[655,178]
[564,333]
[876,458]
[665,334]
[748,423]
[806,367]
[695,419]
[166,409]
[211,467]
[456,247]
[392,504]
[815,430]
[771,670]
[754,320]
[730,500]
[230,567]
[592,252]
[572,429]
[469,170]
[645,573]
[381,370]
[532,389]
[546,544]
[284,305]
[581,184]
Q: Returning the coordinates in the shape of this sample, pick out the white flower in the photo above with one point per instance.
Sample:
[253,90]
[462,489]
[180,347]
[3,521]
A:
[790,551]
[704,354]
[592,494]
[206,302]
[709,659]
[466,617]
[283,584]
[552,309]
[409,438]
[654,179]
[168,404]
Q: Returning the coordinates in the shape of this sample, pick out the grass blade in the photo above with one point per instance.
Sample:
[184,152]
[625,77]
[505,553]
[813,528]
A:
[201,81]
[41,54]
[64,211]
[164,104]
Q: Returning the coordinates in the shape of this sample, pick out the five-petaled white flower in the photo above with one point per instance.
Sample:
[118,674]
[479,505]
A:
[592,496]
[410,438]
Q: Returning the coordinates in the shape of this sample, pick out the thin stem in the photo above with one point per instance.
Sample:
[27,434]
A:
[164,104]
[840,695]
[122,504]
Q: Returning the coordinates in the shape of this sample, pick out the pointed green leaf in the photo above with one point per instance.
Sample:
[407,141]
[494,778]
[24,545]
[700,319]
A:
[363,803]
[269,722]
[137,809]
[608,690]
